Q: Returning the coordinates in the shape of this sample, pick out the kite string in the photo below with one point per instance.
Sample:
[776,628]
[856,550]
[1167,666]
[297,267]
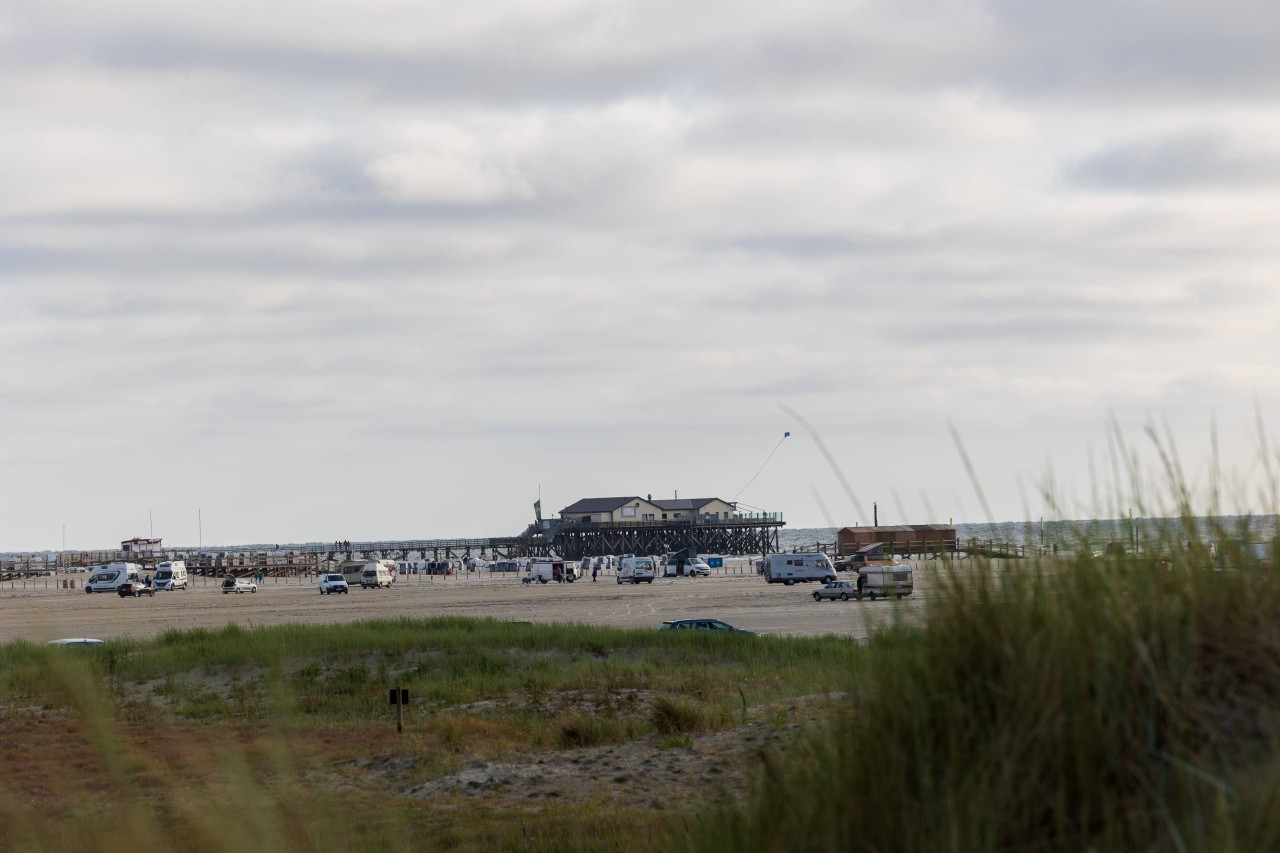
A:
[766,462]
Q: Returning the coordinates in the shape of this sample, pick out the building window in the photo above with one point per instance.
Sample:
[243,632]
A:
[648,516]
[664,516]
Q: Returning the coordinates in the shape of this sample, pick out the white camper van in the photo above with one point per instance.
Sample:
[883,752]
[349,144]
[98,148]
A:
[171,574]
[377,576]
[891,580]
[107,578]
[354,572]
[686,567]
[635,569]
[798,568]
[542,571]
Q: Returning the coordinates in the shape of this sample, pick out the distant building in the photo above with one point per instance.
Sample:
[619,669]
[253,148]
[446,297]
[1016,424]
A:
[138,545]
[696,509]
[899,538]
[636,508]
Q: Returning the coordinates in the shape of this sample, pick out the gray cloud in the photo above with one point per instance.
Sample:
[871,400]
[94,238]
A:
[460,255]
[1185,162]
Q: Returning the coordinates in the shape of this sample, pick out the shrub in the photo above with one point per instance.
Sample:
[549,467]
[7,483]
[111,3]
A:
[672,716]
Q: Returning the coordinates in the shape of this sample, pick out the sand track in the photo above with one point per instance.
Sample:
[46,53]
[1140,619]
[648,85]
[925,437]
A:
[37,613]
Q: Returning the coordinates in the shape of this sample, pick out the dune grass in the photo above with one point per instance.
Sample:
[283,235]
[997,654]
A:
[1120,702]
[1087,703]
[153,745]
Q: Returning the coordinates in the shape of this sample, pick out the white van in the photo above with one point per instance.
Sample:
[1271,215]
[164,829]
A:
[543,571]
[798,568]
[171,574]
[377,575]
[107,578]
[353,571]
[890,580]
[686,567]
[635,569]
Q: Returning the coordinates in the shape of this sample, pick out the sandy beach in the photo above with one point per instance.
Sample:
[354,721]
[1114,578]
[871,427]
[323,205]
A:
[41,610]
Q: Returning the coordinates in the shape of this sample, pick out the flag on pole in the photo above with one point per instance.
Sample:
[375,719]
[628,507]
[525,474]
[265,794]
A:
[786,435]
[537,510]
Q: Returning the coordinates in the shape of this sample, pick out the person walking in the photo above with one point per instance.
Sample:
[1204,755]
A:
[595,570]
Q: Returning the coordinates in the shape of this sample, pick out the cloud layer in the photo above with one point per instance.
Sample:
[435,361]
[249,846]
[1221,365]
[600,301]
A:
[340,270]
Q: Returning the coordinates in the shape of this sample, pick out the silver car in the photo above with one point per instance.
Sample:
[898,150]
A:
[238,585]
[843,590]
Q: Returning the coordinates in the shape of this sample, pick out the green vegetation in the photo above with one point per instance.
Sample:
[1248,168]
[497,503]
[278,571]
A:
[1088,704]
[282,737]
[1085,702]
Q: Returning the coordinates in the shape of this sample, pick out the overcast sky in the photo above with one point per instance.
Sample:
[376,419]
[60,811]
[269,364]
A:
[382,269]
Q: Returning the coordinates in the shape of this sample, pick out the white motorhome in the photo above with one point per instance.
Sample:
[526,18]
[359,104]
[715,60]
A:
[888,580]
[635,569]
[107,578]
[353,571]
[171,575]
[377,575]
[798,568]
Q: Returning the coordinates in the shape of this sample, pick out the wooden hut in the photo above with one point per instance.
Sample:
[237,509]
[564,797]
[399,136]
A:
[899,539]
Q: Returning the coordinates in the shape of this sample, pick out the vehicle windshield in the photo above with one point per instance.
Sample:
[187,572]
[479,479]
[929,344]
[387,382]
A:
[164,573]
[334,578]
[644,564]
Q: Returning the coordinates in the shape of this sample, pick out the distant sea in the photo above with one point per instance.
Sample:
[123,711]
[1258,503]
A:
[1095,532]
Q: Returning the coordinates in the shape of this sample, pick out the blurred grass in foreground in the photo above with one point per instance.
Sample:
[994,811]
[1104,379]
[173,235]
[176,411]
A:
[1073,704]
[277,738]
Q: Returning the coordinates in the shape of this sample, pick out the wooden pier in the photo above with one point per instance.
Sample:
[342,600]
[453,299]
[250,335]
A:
[565,540]
[732,536]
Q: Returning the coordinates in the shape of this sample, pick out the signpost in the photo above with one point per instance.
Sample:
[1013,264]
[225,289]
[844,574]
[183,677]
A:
[399,698]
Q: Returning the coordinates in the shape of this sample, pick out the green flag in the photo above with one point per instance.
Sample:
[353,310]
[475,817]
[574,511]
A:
[537,510]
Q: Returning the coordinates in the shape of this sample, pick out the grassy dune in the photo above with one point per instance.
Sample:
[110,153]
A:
[1091,703]
[281,737]
[1084,702]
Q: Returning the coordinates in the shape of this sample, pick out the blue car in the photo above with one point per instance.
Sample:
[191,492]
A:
[703,625]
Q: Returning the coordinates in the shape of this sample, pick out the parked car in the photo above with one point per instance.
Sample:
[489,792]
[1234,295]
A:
[238,585]
[703,625]
[333,583]
[843,590]
[136,589]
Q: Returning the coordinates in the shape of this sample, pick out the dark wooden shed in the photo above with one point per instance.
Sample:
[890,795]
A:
[899,539]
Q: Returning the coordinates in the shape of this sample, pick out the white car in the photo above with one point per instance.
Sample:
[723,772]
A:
[238,585]
[333,583]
